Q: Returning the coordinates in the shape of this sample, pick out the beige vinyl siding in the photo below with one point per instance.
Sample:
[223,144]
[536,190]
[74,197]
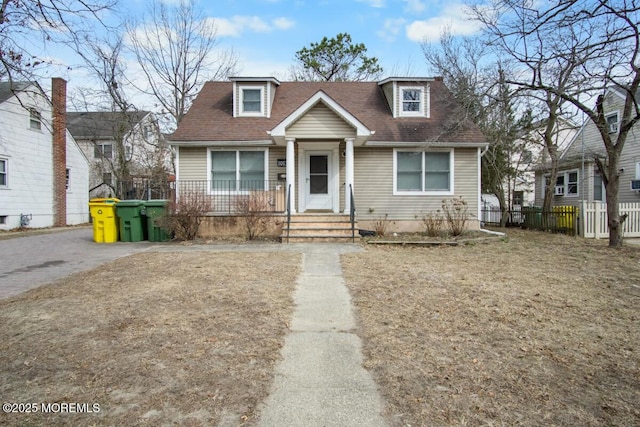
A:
[321,122]
[192,163]
[374,186]
[250,85]
[387,89]
[273,93]
[276,153]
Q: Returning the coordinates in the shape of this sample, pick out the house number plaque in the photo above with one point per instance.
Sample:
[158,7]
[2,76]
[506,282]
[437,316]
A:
[281,163]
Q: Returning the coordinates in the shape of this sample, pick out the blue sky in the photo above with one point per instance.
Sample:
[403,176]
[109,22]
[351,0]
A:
[267,33]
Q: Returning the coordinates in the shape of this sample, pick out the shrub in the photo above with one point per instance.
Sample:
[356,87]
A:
[255,210]
[186,214]
[456,213]
[432,223]
[380,225]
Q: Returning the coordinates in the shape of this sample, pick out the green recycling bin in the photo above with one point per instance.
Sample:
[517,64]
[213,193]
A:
[132,220]
[156,210]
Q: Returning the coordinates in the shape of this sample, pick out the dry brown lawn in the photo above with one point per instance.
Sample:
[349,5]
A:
[532,330]
[153,339]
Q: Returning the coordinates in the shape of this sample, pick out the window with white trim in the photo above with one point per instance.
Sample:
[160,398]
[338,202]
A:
[572,183]
[251,101]
[103,151]
[412,99]
[567,181]
[598,187]
[238,170]
[612,122]
[423,172]
[35,119]
[4,172]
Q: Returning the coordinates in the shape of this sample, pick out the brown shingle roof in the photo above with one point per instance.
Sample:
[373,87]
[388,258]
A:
[211,115]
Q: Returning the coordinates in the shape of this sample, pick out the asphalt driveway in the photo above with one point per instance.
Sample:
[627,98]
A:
[36,259]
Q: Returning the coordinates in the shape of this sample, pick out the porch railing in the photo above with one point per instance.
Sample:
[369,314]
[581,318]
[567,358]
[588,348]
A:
[352,214]
[231,197]
[288,211]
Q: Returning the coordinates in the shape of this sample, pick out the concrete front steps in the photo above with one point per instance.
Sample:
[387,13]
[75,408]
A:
[319,227]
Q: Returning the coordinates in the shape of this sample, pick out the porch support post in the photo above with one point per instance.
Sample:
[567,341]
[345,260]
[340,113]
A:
[348,175]
[291,173]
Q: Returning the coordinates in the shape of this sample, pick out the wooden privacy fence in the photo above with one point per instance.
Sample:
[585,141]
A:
[593,222]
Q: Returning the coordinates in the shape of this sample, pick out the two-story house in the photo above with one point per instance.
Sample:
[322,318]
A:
[579,178]
[43,172]
[124,148]
[396,148]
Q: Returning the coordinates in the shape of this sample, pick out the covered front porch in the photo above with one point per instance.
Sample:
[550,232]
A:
[319,176]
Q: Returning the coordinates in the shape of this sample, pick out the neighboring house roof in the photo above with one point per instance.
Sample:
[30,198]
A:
[211,115]
[102,124]
[9,89]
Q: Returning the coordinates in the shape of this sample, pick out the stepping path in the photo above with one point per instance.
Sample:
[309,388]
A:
[321,381]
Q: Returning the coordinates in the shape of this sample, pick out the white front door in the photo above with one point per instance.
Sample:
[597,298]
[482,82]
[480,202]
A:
[319,180]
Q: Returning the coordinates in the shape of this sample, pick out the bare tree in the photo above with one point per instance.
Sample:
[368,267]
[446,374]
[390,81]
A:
[570,48]
[41,23]
[175,49]
[478,83]
[103,59]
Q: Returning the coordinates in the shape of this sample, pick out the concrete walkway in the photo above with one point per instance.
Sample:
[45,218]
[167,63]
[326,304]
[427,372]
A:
[321,381]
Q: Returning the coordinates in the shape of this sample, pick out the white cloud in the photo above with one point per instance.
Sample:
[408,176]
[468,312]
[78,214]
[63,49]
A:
[283,23]
[454,18]
[373,3]
[391,28]
[415,6]
[236,25]
[261,67]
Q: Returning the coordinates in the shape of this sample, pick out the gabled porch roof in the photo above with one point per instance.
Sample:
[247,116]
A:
[278,133]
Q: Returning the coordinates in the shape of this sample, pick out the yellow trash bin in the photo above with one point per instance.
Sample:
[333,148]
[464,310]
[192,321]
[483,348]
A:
[105,222]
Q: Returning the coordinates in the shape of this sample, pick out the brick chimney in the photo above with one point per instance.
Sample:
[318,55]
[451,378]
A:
[59,104]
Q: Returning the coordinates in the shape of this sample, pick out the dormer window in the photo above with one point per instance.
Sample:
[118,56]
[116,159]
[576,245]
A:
[412,101]
[253,96]
[251,103]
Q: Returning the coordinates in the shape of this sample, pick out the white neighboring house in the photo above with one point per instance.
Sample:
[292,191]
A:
[522,190]
[101,134]
[44,176]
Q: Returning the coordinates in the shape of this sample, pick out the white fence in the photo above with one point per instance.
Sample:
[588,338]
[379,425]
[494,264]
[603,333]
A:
[593,220]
